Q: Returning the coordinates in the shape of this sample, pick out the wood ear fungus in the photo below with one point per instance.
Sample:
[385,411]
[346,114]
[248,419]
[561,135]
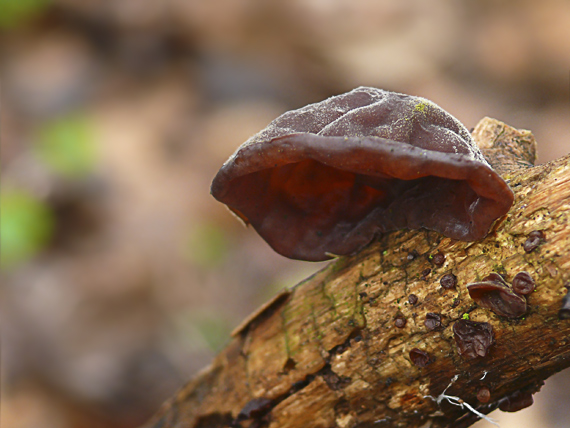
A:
[535,238]
[493,293]
[400,322]
[433,321]
[325,179]
[473,339]
[438,259]
[484,395]
[517,401]
[448,281]
[420,358]
[523,283]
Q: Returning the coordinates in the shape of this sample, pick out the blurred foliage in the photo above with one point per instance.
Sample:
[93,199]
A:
[203,329]
[67,146]
[208,245]
[25,227]
[14,13]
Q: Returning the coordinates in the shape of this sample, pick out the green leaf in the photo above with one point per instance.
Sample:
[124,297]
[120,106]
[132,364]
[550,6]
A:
[26,225]
[67,146]
[13,13]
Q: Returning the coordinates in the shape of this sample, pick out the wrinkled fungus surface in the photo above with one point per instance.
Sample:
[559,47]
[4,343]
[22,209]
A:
[494,294]
[438,259]
[523,283]
[473,339]
[448,281]
[420,358]
[325,179]
[433,321]
[534,239]
[400,322]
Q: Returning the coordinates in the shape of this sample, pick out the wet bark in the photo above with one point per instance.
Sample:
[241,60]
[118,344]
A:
[328,352]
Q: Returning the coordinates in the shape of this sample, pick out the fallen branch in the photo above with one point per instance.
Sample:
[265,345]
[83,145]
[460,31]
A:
[328,353]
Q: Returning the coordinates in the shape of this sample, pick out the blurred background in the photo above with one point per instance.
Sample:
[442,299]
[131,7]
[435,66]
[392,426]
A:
[121,275]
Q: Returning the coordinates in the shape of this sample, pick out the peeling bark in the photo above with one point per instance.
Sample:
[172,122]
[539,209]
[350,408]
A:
[328,353]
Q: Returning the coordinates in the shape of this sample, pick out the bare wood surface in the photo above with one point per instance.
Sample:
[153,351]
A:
[327,352]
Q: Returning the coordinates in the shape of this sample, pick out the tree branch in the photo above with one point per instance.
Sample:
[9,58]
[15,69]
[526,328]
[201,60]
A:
[327,353]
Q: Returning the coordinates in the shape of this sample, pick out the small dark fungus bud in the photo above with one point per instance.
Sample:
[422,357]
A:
[448,281]
[483,395]
[412,299]
[327,178]
[523,283]
[455,303]
[438,259]
[517,401]
[425,273]
[494,294]
[473,339]
[534,239]
[420,358]
[254,409]
[433,321]
[564,312]
[400,322]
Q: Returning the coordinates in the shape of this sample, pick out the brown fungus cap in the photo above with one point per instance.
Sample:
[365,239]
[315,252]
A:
[523,283]
[325,179]
[473,339]
[493,293]
[517,401]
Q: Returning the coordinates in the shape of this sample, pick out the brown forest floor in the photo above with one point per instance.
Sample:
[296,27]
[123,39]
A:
[145,275]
